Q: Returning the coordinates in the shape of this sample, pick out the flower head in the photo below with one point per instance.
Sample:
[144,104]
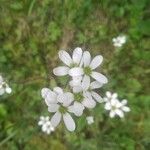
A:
[115,107]
[119,41]
[46,125]
[58,102]
[90,119]
[70,62]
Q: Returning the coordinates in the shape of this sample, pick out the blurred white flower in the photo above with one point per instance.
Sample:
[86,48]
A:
[68,61]
[119,41]
[116,107]
[59,102]
[4,87]
[88,68]
[46,125]
[90,119]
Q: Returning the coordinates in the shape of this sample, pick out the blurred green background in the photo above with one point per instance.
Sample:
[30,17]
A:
[32,32]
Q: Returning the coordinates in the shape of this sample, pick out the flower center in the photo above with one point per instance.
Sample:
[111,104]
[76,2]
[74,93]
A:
[88,71]
[78,97]
[62,109]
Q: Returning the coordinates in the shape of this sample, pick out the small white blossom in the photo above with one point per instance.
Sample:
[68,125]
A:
[90,119]
[59,102]
[70,62]
[116,107]
[119,41]
[4,87]
[46,125]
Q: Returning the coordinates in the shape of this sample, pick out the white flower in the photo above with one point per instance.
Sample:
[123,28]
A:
[88,90]
[110,96]
[90,119]
[116,108]
[119,41]
[4,87]
[88,68]
[82,99]
[58,102]
[68,61]
[46,125]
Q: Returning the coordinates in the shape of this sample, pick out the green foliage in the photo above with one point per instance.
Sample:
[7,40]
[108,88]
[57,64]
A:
[31,33]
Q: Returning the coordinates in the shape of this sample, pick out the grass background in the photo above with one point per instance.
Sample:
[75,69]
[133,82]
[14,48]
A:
[32,32]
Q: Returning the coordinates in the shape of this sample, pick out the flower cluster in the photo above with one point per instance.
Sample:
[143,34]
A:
[119,41]
[81,94]
[116,107]
[4,87]
[46,125]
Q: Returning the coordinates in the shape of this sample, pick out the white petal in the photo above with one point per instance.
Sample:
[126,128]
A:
[86,58]
[69,122]
[40,123]
[1,79]
[97,97]
[115,102]
[77,55]
[61,98]
[81,62]
[44,92]
[61,71]
[114,95]
[53,107]
[49,96]
[76,71]
[8,90]
[124,102]
[99,77]
[119,113]
[86,82]
[95,85]
[87,94]
[118,104]
[55,120]
[77,89]
[77,108]
[2,91]
[125,108]
[90,119]
[112,114]
[108,94]
[58,90]
[107,106]
[69,99]
[97,60]
[89,103]
[65,57]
